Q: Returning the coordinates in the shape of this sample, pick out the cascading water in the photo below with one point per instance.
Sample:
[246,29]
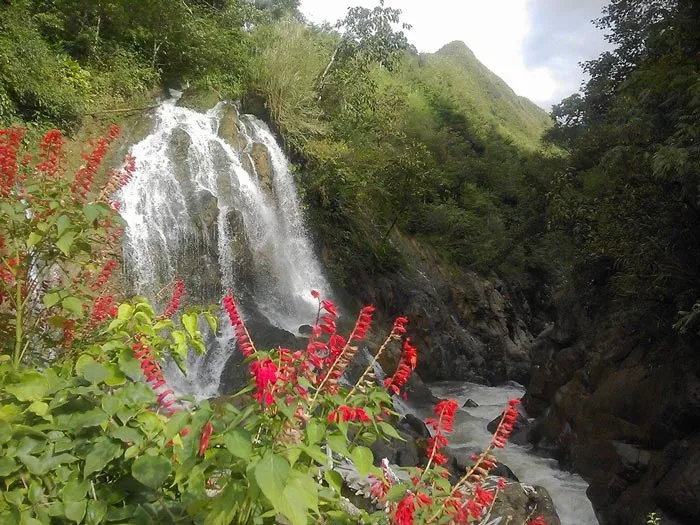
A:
[568,490]
[219,214]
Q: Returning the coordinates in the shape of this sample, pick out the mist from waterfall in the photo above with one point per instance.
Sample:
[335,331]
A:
[221,215]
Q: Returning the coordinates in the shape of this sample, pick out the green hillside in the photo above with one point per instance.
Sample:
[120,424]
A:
[456,70]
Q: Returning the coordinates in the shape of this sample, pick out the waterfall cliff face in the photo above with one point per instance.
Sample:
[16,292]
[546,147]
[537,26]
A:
[213,202]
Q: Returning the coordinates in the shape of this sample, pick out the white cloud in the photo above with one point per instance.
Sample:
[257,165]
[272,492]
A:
[497,31]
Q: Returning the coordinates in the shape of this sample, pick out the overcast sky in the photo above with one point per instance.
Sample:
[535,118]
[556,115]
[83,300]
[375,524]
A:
[534,45]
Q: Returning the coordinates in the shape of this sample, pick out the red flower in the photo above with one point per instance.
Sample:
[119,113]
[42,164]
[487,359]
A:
[244,343]
[10,140]
[154,377]
[174,303]
[505,427]
[315,294]
[407,364]
[204,438]
[265,374]
[104,276]
[539,520]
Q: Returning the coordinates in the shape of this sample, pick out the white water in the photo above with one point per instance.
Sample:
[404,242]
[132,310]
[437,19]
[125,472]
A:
[568,490]
[194,212]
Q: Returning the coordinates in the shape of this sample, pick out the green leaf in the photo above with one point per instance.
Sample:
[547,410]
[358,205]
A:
[127,435]
[334,479]
[115,377]
[239,443]
[363,459]
[189,321]
[175,424]
[73,305]
[271,475]
[62,224]
[317,454]
[39,408]
[95,373]
[32,386]
[152,471]
[390,431]
[75,490]
[65,242]
[7,466]
[211,320]
[338,444]
[75,510]
[92,211]
[125,312]
[103,451]
[34,239]
[5,432]
[96,511]
[315,430]
[51,299]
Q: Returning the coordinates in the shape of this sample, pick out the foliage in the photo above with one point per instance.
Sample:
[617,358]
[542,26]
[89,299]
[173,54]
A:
[90,432]
[629,196]
[391,141]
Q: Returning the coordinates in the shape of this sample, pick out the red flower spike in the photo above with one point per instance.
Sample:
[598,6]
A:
[539,520]
[205,437]
[174,303]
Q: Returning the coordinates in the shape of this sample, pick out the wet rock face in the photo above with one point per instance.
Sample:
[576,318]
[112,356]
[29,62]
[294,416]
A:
[622,411]
[467,327]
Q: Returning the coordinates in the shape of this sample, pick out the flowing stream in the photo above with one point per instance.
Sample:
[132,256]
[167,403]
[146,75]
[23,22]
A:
[568,490]
[219,214]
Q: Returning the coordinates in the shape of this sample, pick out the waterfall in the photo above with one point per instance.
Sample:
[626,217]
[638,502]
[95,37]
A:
[213,202]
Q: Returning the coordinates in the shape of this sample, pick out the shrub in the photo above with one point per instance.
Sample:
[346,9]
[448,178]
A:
[90,432]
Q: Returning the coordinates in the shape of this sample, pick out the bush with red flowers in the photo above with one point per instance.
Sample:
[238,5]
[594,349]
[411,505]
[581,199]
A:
[90,431]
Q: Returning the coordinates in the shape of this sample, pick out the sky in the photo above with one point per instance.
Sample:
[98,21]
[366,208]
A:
[534,45]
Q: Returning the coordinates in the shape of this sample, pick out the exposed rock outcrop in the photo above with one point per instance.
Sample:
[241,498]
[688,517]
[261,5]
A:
[468,327]
[622,409]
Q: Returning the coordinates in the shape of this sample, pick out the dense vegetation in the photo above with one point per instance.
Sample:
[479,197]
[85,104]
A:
[629,194]
[431,145]
[91,433]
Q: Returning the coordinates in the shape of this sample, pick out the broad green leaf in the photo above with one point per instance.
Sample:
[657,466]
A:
[73,305]
[271,475]
[75,490]
[7,466]
[338,444]
[75,510]
[127,435]
[5,432]
[32,386]
[125,311]
[65,242]
[95,513]
[39,408]
[62,224]
[34,239]
[28,520]
[115,377]
[211,320]
[189,321]
[315,430]
[92,211]
[51,299]
[152,471]
[334,479]
[363,459]
[239,443]
[103,451]
[95,373]
[317,454]
[175,424]
[35,492]
[390,431]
